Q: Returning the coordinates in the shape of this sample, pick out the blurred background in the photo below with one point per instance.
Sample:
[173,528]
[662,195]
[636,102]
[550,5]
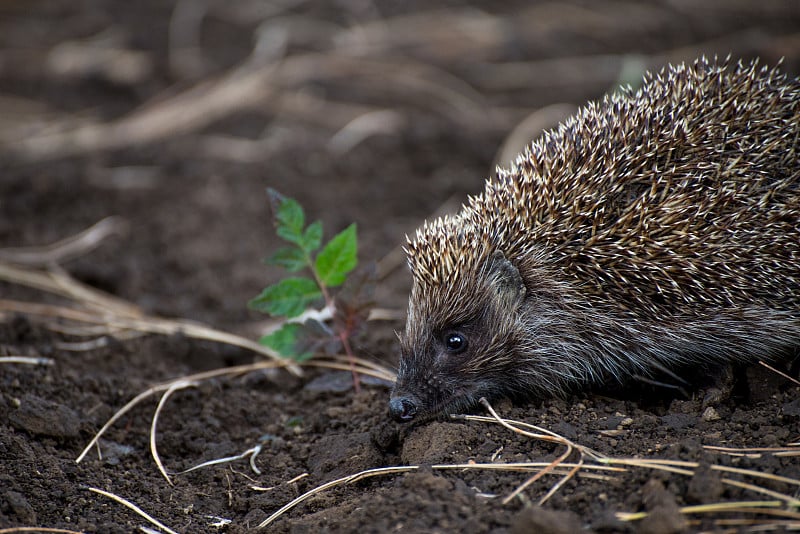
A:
[176,115]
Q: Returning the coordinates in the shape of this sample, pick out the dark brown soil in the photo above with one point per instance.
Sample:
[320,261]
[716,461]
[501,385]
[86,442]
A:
[198,227]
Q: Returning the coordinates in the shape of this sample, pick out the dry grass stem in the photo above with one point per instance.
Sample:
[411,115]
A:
[253,84]
[228,371]
[53,311]
[362,367]
[135,508]
[103,309]
[755,452]
[192,380]
[781,373]
[789,500]
[356,131]
[28,360]
[333,483]
[544,435]
[61,284]
[255,452]
[665,465]
[184,52]
[564,479]
[569,470]
[295,479]
[526,466]
[550,468]
[243,474]
[725,506]
[119,413]
[367,364]
[539,467]
[180,384]
[66,249]
[684,468]
[151,325]
[363,54]
[251,452]
[674,466]
[757,474]
[82,330]
[81,346]
[14,530]
[559,467]
[200,105]
[769,508]
[386,314]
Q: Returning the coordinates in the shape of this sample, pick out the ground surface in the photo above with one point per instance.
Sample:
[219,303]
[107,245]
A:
[437,89]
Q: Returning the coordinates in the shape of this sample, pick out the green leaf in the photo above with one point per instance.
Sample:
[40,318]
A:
[284,342]
[312,237]
[289,217]
[290,258]
[338,257]
[289,297]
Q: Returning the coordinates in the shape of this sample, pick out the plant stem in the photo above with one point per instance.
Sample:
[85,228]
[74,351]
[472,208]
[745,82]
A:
[325,294]
[344,335]
[351,357]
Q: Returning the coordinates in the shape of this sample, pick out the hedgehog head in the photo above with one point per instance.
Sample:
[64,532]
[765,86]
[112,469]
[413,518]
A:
[458,333]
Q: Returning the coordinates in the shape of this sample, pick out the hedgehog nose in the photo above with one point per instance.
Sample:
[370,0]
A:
[402,409]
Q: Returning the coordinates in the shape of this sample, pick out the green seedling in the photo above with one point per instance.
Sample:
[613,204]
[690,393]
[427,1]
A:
[347,298]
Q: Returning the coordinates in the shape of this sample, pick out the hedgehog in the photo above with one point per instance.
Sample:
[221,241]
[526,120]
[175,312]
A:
[655,230]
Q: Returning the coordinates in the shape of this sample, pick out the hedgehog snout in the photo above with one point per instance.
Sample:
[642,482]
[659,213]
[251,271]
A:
[402,409]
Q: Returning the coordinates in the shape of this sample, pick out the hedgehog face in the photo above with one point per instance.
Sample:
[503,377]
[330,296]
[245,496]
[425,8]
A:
[459,341]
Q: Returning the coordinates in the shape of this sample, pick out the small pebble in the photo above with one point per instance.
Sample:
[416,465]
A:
[710,414]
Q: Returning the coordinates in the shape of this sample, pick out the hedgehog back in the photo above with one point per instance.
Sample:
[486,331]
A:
[681,197]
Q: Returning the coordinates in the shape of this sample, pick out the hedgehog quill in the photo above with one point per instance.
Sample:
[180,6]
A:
[654,230]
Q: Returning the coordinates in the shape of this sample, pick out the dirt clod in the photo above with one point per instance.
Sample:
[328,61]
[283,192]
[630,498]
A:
[42,417]
[663,512]
[337,455]
[17,505]
[543,521]
[435,443]
[705,485]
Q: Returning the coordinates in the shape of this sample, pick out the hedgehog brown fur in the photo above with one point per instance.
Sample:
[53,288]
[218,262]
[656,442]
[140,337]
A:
[655,229]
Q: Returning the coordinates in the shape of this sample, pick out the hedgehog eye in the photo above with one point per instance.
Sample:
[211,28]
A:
[455,342]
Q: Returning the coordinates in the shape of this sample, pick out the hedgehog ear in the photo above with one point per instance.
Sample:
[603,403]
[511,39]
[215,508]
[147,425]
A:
[506,280]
